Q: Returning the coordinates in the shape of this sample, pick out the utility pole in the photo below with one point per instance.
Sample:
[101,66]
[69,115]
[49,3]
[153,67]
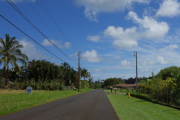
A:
[123,80]
[79,71]
[135,54]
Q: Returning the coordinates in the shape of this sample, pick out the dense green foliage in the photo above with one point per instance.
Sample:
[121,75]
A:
[112,82]
[40,74]
[43,75]
[163,88]
[85,74]
[84,84]
[44,71]
[170,72]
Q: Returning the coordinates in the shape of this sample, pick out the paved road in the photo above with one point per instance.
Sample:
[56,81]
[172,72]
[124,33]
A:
[92,105]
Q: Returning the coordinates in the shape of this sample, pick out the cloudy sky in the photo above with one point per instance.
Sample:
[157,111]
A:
[106,32]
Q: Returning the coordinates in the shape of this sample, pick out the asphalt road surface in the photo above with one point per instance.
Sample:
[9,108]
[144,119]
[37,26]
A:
[92,105]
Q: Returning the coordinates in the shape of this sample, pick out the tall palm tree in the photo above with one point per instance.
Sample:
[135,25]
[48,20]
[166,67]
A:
[85,73]
[10,53]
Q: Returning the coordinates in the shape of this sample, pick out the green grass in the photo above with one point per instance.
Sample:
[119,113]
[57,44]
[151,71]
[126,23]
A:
[16,100]
[137,109]
[117,91]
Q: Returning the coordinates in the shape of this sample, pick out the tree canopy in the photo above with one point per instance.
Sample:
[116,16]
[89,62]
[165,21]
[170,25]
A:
[10,53]
[112,81]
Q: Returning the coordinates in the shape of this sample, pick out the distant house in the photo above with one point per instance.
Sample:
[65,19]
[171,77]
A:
[127,86]
[109,87]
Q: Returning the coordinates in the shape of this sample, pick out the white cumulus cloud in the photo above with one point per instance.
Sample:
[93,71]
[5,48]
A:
[125,63]
[91,56]
[94,7]
[148,28]
[169,48]
[67,44]
[169,8]
[123,39]
[95,38]
[57,43]
[30,50]
[152,28]
[161,60]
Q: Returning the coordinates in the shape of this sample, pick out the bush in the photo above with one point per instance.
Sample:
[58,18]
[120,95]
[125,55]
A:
[53,85]
[37,86]
[142,96]
[16,86]
[84,84]
[61,87]
[45,86]
[10,85]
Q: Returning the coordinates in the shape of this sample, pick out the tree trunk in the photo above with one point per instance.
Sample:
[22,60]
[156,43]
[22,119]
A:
[6,75]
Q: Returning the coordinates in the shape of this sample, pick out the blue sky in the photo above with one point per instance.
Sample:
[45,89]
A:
[106,32]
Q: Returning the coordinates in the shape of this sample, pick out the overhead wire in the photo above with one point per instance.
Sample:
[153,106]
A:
[49,28]
[50,15]
[53,20]
[30,37]
[38,30]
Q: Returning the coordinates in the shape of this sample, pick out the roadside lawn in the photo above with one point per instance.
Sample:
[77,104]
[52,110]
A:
[137,109]
[16,100]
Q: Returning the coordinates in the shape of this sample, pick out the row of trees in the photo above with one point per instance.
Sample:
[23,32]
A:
[112,82]
[38,71]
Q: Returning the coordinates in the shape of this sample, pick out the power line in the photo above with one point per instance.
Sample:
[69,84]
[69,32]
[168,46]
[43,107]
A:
[30,37]
[39,15]
[50,16]
[20,12]
[53,20]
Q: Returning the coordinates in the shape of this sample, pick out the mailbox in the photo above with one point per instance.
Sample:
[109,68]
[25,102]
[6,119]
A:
[29,89]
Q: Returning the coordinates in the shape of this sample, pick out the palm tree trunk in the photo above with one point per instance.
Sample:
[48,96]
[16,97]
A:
[6,75]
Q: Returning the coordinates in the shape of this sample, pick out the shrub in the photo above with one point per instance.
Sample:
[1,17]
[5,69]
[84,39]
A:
[61,87]
[45,86]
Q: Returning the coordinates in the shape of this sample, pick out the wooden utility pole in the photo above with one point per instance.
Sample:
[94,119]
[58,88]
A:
[136,70]
[79,71]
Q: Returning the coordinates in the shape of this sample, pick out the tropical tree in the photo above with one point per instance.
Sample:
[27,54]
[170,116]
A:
[66,74]
[10,53]
[170,72]
[112,81]
[84,73]
[32,70]
[74,76]
[42,70]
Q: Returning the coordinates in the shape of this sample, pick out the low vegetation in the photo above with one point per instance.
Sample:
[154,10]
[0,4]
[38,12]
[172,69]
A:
[164,88]
[137,109]
[16,100]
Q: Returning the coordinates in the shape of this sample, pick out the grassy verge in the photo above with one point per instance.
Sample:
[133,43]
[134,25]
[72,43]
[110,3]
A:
[118,91]
[137,109]
[16,100]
